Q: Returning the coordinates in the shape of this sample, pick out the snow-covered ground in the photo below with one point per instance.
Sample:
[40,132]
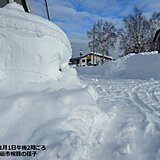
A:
[132,131]
[129,95]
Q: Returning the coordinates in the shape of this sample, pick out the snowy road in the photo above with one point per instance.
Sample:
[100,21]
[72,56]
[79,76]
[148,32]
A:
[132,131]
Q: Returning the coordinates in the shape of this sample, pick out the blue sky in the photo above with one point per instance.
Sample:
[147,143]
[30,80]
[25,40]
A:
[75,17]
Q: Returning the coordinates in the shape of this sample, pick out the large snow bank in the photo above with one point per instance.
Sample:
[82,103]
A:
[32,48]
[133,66]
[60,114]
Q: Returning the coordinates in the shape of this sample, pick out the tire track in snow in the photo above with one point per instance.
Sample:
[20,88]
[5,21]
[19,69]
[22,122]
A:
[143,96]
[121,130]
[134,130]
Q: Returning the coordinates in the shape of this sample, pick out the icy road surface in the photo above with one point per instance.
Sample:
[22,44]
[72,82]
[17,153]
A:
[132,131]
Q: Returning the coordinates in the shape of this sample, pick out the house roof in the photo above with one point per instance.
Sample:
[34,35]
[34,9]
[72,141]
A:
[97,54]
[157,36]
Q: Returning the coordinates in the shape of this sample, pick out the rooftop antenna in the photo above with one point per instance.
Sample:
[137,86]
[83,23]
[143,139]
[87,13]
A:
[47,10]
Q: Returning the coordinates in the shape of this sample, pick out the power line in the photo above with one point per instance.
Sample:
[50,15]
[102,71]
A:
[111,7]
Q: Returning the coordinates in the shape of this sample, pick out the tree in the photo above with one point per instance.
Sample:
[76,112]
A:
[135,37]
[103,36]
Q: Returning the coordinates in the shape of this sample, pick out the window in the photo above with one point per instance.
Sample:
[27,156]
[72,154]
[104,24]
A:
[83,60]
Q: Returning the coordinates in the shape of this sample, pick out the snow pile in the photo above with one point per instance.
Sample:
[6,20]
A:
[32,48]
[141,66]
[60,112]
[133,66]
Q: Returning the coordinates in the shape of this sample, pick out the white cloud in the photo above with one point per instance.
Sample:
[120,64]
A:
[68,13]
[76,23]
[79,21]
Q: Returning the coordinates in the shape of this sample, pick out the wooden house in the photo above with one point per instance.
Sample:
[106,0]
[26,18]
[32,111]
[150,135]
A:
[156,41]
[91,59]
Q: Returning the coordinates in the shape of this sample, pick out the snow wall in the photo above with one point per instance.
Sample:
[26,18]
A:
[23,60]
[133,66]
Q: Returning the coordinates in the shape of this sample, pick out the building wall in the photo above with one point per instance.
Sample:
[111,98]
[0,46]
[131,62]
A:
[158,43]
[97,60]
[83,61]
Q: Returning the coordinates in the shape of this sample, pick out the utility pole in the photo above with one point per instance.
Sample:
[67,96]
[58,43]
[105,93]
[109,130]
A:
[25,6]
[47,10]
[94,32]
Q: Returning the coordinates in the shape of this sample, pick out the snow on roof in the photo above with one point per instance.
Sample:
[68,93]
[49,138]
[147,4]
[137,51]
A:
[97,54]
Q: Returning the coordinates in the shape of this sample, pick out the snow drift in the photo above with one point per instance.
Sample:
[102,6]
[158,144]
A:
[32,48]
[133,66]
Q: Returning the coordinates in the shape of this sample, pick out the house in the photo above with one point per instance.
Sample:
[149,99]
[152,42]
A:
[156,41]
[22,2]
[91,59]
